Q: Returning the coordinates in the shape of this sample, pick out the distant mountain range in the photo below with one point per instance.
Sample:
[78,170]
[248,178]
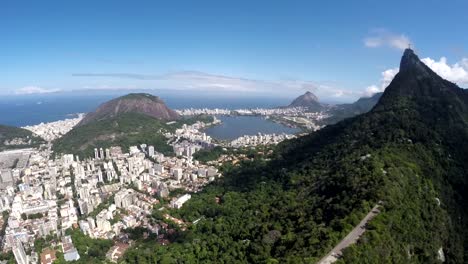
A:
[361,106]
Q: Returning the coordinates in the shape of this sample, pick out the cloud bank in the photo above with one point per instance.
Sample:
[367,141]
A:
[35,90]
[457,73]
[202,81]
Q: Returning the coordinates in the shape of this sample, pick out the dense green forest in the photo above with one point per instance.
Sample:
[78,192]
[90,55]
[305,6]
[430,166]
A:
[409,152]
[206,155]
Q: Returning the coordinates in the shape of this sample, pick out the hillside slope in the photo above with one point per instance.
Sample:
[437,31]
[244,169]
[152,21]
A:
[409,152]
[14,137]
[132,103]
[361,106]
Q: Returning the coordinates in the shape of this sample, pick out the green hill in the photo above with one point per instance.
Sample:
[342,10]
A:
[409,152]
[14,138]
[124,130]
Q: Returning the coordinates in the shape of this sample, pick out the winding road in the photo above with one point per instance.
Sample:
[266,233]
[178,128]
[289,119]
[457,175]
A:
[351,238]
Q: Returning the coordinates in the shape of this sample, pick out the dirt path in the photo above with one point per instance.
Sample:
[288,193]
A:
[351,238]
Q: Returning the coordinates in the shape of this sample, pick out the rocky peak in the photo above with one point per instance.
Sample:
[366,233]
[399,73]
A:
[411,62]
[309,100]
[418,84]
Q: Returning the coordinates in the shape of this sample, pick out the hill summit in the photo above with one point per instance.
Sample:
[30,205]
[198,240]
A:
[308,100]
[141,103]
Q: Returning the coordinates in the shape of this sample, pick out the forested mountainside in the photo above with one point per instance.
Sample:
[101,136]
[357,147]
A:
[408,153]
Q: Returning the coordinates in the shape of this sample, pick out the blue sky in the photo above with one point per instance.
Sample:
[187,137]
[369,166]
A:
[340,50]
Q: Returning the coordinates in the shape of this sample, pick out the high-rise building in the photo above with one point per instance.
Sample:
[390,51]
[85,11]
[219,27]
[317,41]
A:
[124,198]
[96,154]
[177,173]
[101,153]
[83,205]
[20,254]
[100,178]
[108,156]
[151,151]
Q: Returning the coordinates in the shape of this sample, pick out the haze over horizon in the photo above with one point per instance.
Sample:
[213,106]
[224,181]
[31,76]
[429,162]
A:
[253,49]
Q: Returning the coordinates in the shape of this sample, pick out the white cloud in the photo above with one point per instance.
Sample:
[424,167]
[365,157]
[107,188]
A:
[202,81]
[457,73]
[35,90]
[385,79]
[383,37]
[110,87]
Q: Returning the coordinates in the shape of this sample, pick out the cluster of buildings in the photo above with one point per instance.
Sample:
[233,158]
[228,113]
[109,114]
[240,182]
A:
[260,139]
[288,111]
[54,130]
[129,209]
[203,111]
[101,195]
[296,116]
[189,138]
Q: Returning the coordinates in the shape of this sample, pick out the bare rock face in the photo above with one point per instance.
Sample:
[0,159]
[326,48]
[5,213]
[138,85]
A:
[132,103]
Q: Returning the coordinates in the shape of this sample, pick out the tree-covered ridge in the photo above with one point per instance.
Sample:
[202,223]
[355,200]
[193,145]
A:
[14,137]
[409,152]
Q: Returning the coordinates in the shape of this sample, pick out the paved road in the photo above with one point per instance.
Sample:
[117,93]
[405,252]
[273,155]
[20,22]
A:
[351,238]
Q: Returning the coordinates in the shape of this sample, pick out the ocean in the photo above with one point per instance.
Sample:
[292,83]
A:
[31,110]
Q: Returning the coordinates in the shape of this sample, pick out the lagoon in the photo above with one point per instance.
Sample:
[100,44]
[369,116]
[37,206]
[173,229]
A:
[233,127]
